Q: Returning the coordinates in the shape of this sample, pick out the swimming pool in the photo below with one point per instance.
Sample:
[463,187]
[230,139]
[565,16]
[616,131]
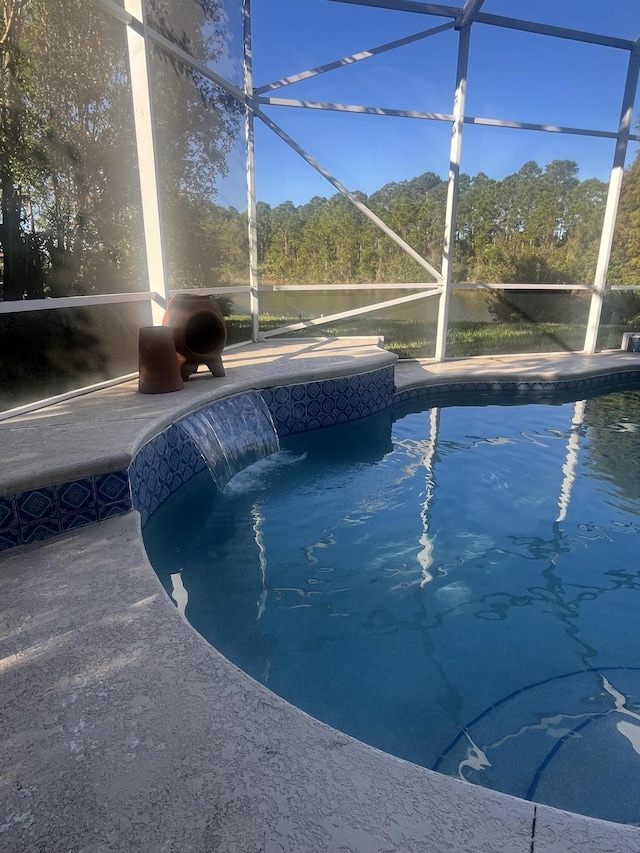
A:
[456,586]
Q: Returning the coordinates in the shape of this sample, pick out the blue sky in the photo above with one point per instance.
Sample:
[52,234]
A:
[512,75]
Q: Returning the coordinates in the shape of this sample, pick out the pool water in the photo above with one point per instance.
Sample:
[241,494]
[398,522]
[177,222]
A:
[458,586]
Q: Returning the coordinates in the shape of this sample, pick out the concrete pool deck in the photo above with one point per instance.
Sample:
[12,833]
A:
[123,730]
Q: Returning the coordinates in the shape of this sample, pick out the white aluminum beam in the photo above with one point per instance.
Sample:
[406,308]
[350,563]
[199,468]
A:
[613,198]
[251,171]
[269,288]
[494,20]
[545,128]
[52,304]
[408,6]
[355,57]
[116,11]
[194,63]
[353,108]
[550,30]
[470,12]
[352,198]
[145,145]
[361,109]
[452,191]
[511,286]
[403,285]
[19,306]
[214,291]
[343,315]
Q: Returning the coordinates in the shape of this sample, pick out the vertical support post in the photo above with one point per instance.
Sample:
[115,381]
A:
[143,119]
[452,190]
[249,130]
[613,198]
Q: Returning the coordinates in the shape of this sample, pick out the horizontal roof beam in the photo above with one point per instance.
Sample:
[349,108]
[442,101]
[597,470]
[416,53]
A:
[354,108]
[362,109]
[352,312]
[550,30]
[355,57]
[408,6]
[547,128]
[470,13]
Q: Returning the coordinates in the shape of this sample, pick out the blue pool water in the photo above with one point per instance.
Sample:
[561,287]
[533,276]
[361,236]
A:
[458,586]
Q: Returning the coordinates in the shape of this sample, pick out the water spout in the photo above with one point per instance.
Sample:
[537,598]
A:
[232,434]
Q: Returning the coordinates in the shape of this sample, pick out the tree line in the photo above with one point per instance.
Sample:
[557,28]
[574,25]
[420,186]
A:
[70,201]
[71,217]
[71,210]
[70,205]
[539,225]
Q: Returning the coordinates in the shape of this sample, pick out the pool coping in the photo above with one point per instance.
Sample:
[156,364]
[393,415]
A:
[108,696]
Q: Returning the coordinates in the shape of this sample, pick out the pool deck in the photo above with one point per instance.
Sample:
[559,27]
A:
[123,730]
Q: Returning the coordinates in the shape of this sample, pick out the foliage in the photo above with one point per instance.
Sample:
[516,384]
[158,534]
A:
[70,203]
[617,456]
[197,125]
[537,226]
[625,266]
[413,338]
[70,195]
[67,172]
[622,307]
[49,352]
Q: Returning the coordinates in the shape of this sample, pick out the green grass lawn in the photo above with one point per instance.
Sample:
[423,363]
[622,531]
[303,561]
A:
[416,339]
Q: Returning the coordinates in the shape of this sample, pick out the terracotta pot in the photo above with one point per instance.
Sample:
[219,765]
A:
[199,332]
[159,368]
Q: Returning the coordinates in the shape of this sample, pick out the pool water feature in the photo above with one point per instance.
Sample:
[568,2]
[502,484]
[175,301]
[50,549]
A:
[232,434]
[456,586]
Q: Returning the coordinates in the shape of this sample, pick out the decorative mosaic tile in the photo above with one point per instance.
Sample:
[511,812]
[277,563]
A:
[164,463]
[8,512]
[76,496]
[172,458]
[112,488]
[117,508]
[523,387]
[35,505]
[298,392]
[71,521]
[39,513]
[312,405]
[40,530]
[9,538]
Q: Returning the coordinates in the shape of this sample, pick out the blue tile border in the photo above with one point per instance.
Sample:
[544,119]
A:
[519,387]
[171,458]
[312,405]
[159,468]
[37,514]
[8,512]
[76,497]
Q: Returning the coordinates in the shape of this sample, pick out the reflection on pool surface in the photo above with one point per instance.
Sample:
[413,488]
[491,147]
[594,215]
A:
[457,586]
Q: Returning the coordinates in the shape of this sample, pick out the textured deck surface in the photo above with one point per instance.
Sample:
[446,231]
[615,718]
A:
[123,730]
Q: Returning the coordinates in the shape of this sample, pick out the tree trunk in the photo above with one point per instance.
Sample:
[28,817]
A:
[14,279]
